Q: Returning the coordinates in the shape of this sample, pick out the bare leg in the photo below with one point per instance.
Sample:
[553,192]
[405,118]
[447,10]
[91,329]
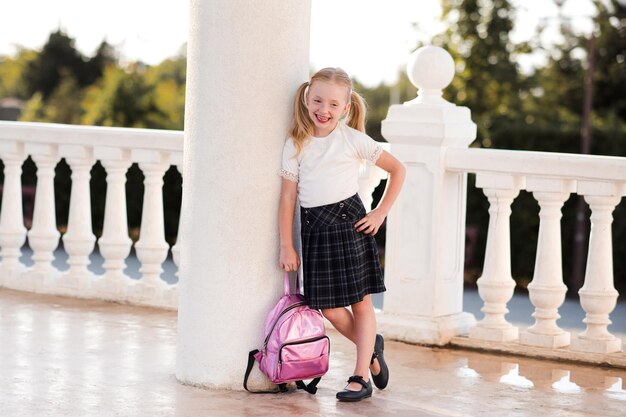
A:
[359,326]
[342,319]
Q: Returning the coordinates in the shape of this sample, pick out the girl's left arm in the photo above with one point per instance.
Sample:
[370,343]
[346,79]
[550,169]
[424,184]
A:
[375,218]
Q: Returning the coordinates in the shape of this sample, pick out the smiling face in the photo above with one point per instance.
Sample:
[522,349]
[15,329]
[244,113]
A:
[326,102]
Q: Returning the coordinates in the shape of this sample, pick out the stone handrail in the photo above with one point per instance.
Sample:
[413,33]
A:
[116,148]
[551,177]
[81,146]
[424,263]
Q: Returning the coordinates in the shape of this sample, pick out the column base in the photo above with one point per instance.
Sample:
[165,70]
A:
[423,329]
[596,346]
[545,340]
[506,334]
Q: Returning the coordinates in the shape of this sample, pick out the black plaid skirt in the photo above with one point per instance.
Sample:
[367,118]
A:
[341,265]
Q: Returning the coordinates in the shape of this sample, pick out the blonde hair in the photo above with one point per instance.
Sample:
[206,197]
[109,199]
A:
[302,126]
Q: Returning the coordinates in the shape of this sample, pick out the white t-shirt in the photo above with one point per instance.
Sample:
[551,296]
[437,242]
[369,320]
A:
[327,169]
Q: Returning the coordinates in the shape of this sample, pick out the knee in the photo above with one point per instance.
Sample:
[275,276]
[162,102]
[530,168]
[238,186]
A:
[363,307]
[331,314]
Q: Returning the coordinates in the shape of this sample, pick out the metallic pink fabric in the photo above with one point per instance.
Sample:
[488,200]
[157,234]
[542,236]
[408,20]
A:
[296,346]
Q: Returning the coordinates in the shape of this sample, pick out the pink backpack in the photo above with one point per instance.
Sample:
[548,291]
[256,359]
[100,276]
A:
[296,346]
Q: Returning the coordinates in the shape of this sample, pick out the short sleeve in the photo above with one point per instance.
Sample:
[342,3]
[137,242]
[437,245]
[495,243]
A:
[365,147]
[290,166]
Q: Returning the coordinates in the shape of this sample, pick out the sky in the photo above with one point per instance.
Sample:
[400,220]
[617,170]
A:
[152,30]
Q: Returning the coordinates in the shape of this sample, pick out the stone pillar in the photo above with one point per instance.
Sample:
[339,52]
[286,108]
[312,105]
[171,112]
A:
[12,230]
[598,296]
[43,236]
[79,239]
[424,253]
[151,247]
[547,290]
[496,285]
[114,243]
[245,60]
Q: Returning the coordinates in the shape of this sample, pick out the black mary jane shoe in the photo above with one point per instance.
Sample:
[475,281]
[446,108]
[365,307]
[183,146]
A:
[348,395]
[382,378]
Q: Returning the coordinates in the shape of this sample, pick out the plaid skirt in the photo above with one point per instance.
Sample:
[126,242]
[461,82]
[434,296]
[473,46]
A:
[341,265]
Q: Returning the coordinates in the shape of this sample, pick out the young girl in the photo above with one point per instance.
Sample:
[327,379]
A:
[320,166]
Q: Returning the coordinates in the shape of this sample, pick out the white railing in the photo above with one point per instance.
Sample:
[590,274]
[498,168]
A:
[117,149]
[551,178]
[424,265]
[81,146]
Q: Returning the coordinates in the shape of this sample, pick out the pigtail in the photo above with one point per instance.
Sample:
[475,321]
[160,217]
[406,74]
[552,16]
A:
[358,110]
[302,125]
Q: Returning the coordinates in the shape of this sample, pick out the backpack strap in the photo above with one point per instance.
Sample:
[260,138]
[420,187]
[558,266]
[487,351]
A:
[288,287]
[311,388]
[251,360]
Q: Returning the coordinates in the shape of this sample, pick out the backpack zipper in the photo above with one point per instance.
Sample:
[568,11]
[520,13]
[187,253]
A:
[299,342]
[282,313]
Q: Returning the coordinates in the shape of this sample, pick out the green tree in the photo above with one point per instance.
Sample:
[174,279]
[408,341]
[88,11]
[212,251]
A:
[488,80]
[11,70]
[168,79]
[121,98]
[60,57]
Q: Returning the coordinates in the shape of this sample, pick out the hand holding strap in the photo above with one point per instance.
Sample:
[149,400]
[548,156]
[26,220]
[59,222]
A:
[288,287]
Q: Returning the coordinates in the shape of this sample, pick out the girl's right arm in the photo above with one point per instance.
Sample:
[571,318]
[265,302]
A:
[288,259]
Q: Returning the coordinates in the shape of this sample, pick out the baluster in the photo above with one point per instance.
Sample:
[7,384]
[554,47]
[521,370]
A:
[115,243]
[43,236]
[547,290]
[151,247]
[79,239]
[496,285]
[598,296]
[12,229]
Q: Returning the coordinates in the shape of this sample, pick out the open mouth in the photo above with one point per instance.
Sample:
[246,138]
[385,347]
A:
[322,119]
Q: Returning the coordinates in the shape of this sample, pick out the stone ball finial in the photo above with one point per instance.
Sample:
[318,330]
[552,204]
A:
[430,69]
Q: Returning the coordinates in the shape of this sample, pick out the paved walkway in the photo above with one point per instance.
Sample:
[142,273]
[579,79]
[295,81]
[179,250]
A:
[67,357]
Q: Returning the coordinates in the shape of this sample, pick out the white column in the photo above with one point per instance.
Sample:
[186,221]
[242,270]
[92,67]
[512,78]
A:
[79,239]
[115,244]
[12,230]
[496,285]
[425,242]
[43,236]
[598,295]
[151,247]
[241,54]
[547,290]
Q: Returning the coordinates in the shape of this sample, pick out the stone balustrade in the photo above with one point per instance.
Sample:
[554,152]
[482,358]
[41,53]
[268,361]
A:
[426,232]
[154,151]
[424,262]
[551,178]
[81,147]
